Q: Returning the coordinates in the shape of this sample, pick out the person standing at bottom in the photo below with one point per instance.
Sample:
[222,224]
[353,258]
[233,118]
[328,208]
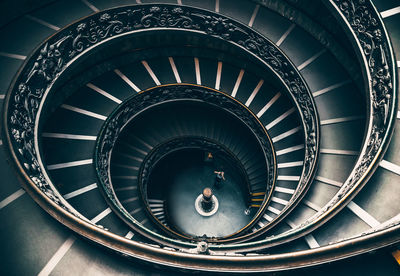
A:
[220,175]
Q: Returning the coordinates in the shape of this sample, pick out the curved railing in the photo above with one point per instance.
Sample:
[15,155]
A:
[25,100]
[40,72]
[372,45]
[131,108]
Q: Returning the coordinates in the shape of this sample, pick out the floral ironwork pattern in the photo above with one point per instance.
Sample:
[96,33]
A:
[132,107]
[368,29]
[44,67]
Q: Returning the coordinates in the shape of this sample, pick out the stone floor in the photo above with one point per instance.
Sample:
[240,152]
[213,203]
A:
[186,177]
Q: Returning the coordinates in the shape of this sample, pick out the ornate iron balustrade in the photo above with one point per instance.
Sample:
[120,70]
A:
[40,72]
[31,87]
[371,42]
[131,108]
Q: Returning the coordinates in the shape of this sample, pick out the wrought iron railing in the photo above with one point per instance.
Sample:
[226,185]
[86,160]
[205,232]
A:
[34,83]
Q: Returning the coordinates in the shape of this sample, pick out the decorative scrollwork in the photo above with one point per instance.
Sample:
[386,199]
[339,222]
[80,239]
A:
[46,65]
[366,26]
[132,107]
[369,32]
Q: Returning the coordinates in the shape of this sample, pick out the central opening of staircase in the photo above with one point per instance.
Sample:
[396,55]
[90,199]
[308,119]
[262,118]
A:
[198,170]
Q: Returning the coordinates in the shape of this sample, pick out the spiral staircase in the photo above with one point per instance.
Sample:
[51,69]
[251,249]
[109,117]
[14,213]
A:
[116,116]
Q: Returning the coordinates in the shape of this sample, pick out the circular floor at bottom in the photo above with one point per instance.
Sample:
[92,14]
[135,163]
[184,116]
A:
[184,175]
